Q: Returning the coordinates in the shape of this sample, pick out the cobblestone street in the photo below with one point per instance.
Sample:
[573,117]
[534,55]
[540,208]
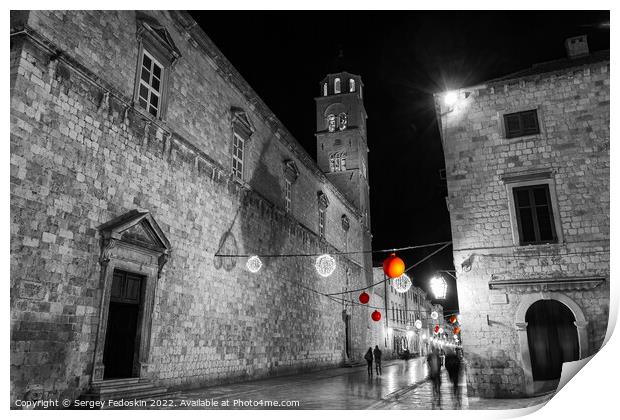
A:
[402,385]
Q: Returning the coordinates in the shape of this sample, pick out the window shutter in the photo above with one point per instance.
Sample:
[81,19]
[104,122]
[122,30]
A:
[513,125]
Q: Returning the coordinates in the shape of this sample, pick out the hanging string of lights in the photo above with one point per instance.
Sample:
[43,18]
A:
[387,279]
[317,254]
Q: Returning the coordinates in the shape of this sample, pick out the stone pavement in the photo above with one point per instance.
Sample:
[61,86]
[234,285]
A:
[420,397]
[403,385]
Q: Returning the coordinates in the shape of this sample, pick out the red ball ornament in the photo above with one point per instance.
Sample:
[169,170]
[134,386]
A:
[457,330]
[364,298]
[376,316]
[436,329]
[452,319]
[393,266]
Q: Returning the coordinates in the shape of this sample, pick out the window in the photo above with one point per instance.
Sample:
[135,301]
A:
[393,313]
[150,89]
[237,156]
[325,89]
[331,123]
[287,195]
[342,121]
[520,124]
[337,85]
[157,55]
[338,162]
[534,214]
[351,85]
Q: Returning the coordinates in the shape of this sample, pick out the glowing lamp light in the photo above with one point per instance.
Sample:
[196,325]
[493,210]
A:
[450,98]
[456,337]
[439,287]
[418,324]
[423,336]
[364,298]
[393,266]
[254,264]
[390,330]
[434,315]
[402,284]
[452,319]
[376,316]
[457,330]
[325,265]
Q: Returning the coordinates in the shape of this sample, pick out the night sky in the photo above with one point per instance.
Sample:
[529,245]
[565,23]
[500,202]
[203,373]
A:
[403,58]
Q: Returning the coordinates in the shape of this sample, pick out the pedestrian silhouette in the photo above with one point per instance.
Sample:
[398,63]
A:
[454,367]
[377,354]
[434,370]
[368,357]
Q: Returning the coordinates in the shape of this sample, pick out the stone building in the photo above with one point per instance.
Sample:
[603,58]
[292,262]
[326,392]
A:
[402,310]
[142,165]
[527,163]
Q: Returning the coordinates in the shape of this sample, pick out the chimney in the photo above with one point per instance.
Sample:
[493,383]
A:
[577,46]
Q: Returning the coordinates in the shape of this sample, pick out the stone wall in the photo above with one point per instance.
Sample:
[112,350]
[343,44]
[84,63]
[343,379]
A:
[573,147]
[82,155]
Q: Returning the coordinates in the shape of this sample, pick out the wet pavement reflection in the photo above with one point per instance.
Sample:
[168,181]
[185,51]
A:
[339,388]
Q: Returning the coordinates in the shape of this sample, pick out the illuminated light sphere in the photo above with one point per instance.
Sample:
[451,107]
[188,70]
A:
[439,287]
[434,315]
[364,298]
[402,284]
[254,264]
[440,330]
[376,316]
[393,266]
[423,336]
[450,98]
[457,330]
[418,324]
[456,337]
[325,265]
[452,319]
[436,329]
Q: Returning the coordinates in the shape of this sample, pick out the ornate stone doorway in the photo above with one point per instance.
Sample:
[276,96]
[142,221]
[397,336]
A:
[134,251]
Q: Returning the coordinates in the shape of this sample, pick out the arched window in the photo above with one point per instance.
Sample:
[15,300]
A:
[331,123]
[325,89]
[342,121]
[351,85]
[338,162]
[337,85]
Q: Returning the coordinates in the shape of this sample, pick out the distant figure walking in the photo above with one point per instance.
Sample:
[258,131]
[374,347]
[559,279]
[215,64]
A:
[454,368]
[434,369]
[368,357]
[377,354]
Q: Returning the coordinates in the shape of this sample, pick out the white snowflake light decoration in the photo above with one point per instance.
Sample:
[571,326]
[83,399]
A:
[254,264]
[325,265]
[418,324]
[402,284]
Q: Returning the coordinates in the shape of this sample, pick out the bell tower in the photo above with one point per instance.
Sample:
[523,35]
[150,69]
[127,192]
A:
[342,147]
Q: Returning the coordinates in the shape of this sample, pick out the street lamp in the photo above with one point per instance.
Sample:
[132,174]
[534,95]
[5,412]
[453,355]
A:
[450,98]
[439,286]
